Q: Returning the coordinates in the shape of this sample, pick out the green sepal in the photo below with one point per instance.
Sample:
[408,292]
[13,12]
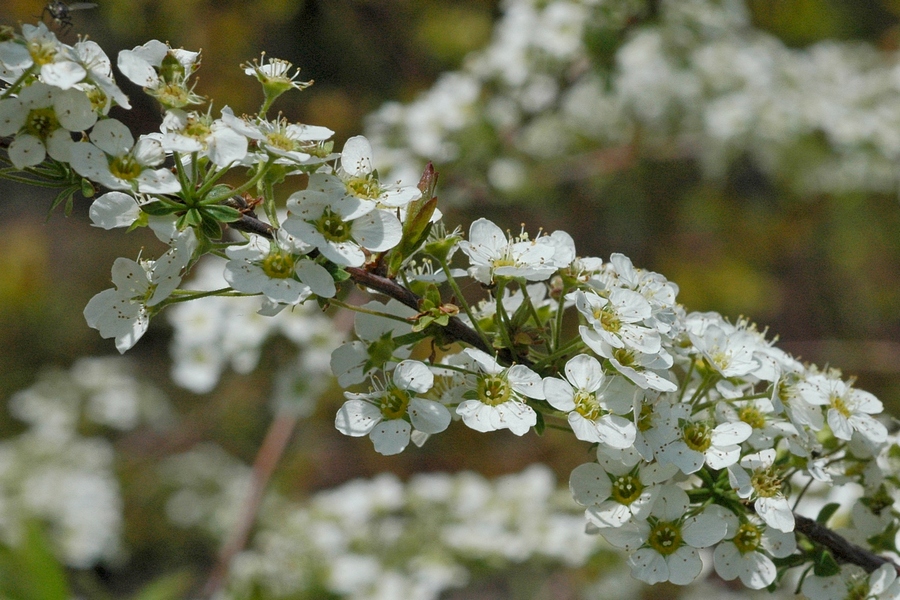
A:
[539,425]
[87,188]
[170,70]
[191,218]
[825,565]
[337,272]
[827,511]
[143,220]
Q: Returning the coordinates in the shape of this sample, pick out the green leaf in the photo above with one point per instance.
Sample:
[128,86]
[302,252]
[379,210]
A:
[158,209]
[540,426]
[827,511]
[221,213]
[30,571]
[169,587]
[210,228]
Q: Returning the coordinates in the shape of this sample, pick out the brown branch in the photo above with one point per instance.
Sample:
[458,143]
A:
[843,550]
[268,456]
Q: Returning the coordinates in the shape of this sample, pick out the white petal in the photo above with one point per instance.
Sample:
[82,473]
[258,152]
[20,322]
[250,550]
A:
[26,151]
[316,277]
[112,136]
[584,372]
[684,565]
[589,484]
[727,560]
[391,437]
[428,416]
[356,158]
[377,231]
[413,375]
[114,209]
[649,566]
[526,382]
[357,418]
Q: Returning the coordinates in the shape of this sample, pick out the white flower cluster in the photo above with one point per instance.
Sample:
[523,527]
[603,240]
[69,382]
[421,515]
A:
[53,473]
[365,538]
[707,436]
[696,76]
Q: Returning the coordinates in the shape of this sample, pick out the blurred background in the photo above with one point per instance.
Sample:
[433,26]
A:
[820,268]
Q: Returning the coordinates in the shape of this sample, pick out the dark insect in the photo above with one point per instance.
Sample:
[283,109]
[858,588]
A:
[59,12]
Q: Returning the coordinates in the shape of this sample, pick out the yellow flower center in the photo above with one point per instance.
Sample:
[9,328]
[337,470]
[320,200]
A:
[493,390]
[748,538]
[697,436]
[278,265]
[41,122]
[587,406]
[838,404]
[626,489]
[394,403]
[125,167]
[665,538]
[332,227]
[766,481]
[752,417]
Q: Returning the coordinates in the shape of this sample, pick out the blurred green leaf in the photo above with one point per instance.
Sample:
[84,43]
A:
[30,571]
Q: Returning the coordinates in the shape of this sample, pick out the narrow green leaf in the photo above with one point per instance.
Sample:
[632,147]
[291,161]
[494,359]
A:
[827,511]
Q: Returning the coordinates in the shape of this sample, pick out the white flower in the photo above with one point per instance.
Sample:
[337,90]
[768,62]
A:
[142,64]
[615,493]
[647,371]
[191,132]
[593,413]
[694,442]
[341,227]
[849,409]
[763,484]
[881,584]
[59,65]
[358,174]
[42,117]
[665,545]
[114,160]
[99,83]
[293,143]
[746,550]
[616,320]
[491,254]
[277,269]
[499,396]
[730,353]
[389,416]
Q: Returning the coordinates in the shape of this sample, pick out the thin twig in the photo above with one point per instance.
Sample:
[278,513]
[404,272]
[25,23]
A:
[269,455]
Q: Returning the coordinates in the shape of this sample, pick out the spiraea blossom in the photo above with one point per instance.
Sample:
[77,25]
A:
[392,415]
[341,227]
[357,171]
[113,159]
[278,269]
[593,411]
[665,545]
[848,410]
[493,255]
[758,478]
[42,118]
[748,549]
[498,400]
